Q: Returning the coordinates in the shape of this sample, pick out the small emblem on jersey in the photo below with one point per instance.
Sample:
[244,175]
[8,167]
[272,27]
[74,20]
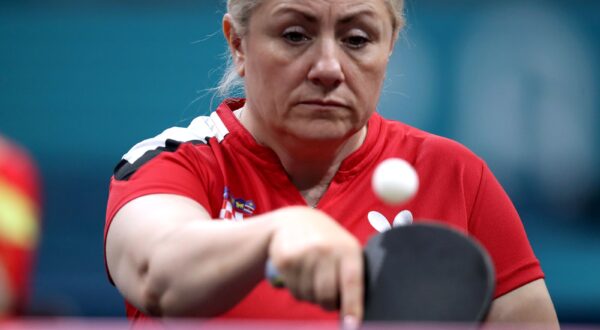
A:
[235,208]
[381,223]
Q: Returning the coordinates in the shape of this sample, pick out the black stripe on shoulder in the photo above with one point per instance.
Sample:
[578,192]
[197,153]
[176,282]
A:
[124,169]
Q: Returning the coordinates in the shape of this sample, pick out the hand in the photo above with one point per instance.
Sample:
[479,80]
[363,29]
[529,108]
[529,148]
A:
[318,260]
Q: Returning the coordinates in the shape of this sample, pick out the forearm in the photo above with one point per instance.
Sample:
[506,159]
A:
[529,304]
[204,267]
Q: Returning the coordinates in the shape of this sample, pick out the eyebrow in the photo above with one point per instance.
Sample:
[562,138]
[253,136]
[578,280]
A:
[353,15]
[364,9]
[291,10]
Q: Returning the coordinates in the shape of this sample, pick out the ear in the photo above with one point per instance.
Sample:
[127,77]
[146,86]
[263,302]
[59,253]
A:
[235,44]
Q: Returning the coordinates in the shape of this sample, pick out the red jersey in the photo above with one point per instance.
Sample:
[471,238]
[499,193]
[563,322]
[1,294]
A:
[216,162]
[19,220]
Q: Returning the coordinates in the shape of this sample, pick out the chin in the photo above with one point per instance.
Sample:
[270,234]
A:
[323,130]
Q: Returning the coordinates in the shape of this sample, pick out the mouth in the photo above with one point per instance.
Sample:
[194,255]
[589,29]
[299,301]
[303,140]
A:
[324,103]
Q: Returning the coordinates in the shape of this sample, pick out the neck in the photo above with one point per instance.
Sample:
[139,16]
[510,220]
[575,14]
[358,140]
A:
[313,163]
[310,164]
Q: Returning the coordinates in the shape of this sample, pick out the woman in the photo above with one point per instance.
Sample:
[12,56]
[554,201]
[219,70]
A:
[297,156]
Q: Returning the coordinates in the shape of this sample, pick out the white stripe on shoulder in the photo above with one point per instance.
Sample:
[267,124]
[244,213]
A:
[212,124]
[200,129]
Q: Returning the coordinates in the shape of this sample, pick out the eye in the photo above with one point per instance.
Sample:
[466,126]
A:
[356,41]
[295,35]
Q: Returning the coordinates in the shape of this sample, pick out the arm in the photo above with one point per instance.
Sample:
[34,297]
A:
[497,225]
[529,303]
[168,259]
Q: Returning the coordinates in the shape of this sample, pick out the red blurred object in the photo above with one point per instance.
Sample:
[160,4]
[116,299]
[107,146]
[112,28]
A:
[19,222]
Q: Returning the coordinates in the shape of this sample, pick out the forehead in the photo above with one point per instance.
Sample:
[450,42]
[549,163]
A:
[318,8]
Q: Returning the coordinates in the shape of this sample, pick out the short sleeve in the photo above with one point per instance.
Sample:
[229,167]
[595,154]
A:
[183,172]
[497,225]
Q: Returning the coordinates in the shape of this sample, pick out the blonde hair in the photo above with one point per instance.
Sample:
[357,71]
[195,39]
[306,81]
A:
[241,11]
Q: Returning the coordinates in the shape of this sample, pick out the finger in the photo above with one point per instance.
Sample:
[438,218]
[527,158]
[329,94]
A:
[352,286]
[305,284]
[326,284]
[288,271]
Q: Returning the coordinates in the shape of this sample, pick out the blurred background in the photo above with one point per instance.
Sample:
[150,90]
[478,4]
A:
[515,81]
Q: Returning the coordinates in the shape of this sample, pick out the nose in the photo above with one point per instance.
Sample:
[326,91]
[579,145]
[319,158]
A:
[326,70]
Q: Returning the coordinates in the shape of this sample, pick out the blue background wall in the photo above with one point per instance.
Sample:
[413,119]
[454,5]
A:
[516,81]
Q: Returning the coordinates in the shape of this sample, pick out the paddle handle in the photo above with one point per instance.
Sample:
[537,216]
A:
[272,275]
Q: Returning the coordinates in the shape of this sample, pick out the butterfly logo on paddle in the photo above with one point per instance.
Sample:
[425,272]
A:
[381,223]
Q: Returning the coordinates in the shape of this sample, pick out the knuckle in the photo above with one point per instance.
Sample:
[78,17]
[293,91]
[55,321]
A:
[351,278]
[352,273]
[321,248]
[285,263]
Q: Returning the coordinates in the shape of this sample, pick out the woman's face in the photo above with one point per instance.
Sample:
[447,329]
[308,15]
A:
[314,69]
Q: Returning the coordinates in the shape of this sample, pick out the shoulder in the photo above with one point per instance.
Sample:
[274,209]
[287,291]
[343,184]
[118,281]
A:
[428,148]
[182,142]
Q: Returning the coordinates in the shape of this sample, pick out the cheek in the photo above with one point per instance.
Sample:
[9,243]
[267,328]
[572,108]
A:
[273,82]
[267,57]
[259,78]
[269,66]
[371,79]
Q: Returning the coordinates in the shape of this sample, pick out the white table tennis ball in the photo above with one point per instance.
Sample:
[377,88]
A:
[395,181]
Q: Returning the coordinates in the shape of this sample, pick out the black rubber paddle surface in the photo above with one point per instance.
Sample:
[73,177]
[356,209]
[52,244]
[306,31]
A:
[427,272]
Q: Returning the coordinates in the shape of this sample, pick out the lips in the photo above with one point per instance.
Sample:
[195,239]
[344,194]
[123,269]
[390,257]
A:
[324,103]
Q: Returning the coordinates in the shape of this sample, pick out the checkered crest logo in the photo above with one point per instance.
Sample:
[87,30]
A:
[234,209]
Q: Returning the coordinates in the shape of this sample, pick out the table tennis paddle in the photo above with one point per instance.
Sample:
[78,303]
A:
[423,272]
